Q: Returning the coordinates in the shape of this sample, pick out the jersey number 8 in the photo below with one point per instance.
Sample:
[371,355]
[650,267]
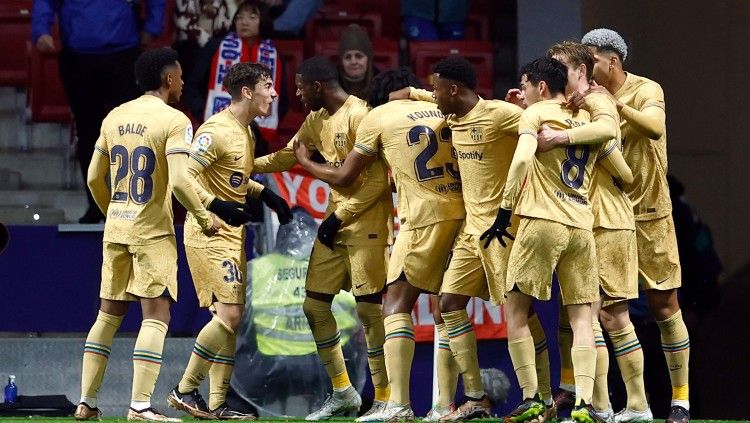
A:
[573,168]
[140,186]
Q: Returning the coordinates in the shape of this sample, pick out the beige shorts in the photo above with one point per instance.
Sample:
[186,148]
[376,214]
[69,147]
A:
[422,255]
[359,268]
[616,253]
[218,274]
[475,271]
[658,258]
[130,272]
[543,247]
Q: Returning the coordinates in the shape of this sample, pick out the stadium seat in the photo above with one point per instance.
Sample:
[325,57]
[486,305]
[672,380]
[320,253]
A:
[330,25]
[385,52]
[15,20]
[389,10]
[423,54]
[292,55]
[46,94]
[477,27]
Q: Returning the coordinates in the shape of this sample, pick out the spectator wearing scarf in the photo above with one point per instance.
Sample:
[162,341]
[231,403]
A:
[248,42]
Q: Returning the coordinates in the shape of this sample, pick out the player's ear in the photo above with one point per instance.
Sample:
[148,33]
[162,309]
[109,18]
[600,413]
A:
[317,86]
[454,89]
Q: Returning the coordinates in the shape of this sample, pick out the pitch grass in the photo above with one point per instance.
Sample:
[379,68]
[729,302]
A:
[123,419]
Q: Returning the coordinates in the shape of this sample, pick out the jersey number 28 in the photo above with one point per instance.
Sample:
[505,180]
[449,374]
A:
[139,166]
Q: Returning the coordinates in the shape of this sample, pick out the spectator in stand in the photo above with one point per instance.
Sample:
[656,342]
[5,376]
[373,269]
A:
[432,20]
[196,22]
[248,42]
[100,43]
[356,69]
[290,15]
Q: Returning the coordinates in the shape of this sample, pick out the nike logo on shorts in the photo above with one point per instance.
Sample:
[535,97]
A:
[662,281]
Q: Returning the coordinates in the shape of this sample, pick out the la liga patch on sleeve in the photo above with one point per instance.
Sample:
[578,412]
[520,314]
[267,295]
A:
[202,143]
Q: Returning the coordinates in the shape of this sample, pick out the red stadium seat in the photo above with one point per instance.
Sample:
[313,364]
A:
[292,55]
[477,27]
[15,20]
[423,54]
[46,94]
[330,25]
[385,52]
[389,10]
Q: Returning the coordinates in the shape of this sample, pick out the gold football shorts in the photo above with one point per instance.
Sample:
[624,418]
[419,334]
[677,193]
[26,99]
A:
[421,254]
[130,272]
[542,247]
[359,268]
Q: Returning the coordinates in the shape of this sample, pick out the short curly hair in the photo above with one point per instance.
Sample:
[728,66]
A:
[320,69]
[150,66]
[607,40]
[458,69]
[244,74]
[388,81]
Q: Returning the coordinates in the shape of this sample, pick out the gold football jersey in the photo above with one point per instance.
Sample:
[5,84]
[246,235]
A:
[222,154]
[369,199]
[558,181]
[137,136]
[649,191]
[415,141]
[484,141]
[610,204]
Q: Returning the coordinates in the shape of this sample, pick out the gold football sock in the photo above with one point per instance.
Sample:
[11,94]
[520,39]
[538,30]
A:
[675,342]
[221,372]
[565,342]
[371,316]
[600,399]
[147,358]
[447,369]
[399,352]
[96,355]
[327,337]
[584,369]
[210,340]
[542,359]
[522,355]
[629,357]
[463,342]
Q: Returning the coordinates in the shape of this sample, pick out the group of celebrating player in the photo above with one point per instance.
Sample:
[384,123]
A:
[565,178]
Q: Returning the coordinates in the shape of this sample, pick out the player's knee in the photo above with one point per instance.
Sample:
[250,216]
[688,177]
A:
[316,311]
[615,317]
[663,304]
[233,319]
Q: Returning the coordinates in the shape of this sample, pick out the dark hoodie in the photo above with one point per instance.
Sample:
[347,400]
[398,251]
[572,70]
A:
[355,38]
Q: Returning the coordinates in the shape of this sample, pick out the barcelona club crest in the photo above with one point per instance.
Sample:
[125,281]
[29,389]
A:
[476,134]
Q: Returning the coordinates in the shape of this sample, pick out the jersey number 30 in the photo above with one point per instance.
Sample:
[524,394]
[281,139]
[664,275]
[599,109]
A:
[424,173]
[573,169]
[140,166]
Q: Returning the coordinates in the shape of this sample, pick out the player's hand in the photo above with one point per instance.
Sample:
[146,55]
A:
[596,88]
[515,96]
[328,230]
[499,229]
[277,204]
[45,43]
[402,94]
[231,212]
[576,101]
[549,138]
[301,151]
[215,226]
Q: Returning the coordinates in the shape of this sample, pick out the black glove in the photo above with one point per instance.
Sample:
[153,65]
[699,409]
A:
[499,229]
[328,229]
[277,204]
[231,212]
